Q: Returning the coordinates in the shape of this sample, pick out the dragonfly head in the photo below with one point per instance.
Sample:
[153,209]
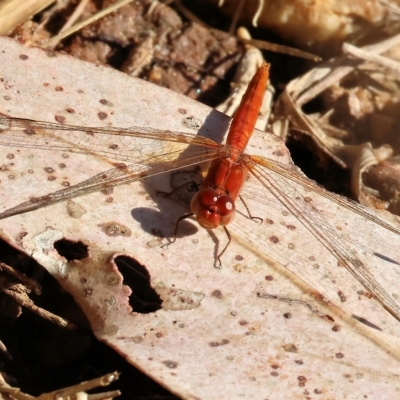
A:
[212,209]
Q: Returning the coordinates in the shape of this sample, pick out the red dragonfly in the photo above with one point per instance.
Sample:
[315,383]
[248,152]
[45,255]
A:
[214,204]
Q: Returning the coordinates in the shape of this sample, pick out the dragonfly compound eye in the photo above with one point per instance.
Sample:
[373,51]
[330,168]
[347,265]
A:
[211,209]
[203,199]
[226,209]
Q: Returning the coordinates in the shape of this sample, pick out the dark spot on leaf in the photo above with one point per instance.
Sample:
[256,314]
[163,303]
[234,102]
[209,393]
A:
[342,296]
[23,57]
[102,115]
[290,347]
[223,342]
[273,239]
[217,293]
[302,380]
[327,316]
[106,102]
[170,364]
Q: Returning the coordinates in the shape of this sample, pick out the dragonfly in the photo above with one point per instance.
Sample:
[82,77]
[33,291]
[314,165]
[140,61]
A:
[214,204]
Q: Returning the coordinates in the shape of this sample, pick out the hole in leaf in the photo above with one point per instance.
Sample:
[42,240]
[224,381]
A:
[144,299]
[71,250]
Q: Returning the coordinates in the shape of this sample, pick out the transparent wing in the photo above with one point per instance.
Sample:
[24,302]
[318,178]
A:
[134,144]
[282,182]
[292,173]
[150,152]
[147,152]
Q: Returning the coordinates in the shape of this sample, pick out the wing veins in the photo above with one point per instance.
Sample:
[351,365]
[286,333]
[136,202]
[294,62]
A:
[291,173]
[312,220]
[113,177]
[134,131]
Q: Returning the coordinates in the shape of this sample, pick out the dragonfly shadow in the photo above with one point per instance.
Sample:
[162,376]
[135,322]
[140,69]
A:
[170,209]
[215,126]
[150,219]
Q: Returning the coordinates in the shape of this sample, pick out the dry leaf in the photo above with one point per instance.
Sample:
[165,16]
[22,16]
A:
[275,322]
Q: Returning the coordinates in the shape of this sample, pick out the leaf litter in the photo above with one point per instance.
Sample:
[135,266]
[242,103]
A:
[240,268]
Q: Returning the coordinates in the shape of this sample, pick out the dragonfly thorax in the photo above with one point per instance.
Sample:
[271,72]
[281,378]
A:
[212,208]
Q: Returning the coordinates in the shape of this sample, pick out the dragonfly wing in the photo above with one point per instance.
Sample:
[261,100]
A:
[292,173]
[288,197]
[145,151]
[132,145]
[121,175]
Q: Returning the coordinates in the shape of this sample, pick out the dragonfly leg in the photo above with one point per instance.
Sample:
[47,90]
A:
[181,218]
[248,211]
[217,263]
